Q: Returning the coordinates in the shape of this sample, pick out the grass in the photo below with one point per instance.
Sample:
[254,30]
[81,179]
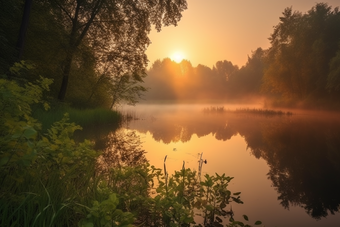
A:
[39,204]
[82,117]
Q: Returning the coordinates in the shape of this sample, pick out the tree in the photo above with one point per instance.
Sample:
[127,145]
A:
[126,88]
[333,79]
[248,79]
[10,12]
[224,69]
[302,47]
[23,28]
[117,30]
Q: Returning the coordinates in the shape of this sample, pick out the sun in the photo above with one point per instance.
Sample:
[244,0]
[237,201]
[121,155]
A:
[177,56]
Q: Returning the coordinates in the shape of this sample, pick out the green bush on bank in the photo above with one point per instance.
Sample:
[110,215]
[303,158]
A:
[46,178]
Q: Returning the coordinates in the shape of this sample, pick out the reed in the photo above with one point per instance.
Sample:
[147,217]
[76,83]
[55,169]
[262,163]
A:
[266,112]
[215,109]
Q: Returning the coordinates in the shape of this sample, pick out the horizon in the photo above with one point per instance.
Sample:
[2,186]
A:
[223,33]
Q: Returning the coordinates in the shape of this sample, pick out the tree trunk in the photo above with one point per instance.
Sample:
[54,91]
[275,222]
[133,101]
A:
[66,73]
[23,28]
[75,39]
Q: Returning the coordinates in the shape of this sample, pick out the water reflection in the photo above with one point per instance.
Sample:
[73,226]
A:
[122,149]
[304,157]
[302,151]
[118,147]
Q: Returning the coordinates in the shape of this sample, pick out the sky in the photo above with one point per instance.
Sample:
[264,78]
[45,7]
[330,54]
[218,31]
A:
[217,30]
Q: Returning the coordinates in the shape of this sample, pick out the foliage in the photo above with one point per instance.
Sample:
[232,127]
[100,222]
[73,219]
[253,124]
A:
[48,179]
[86,46]
[302,48]
[126,88]
[248,79]
[180,199]
[43,176]
[333,79]
[117,31]
[105,213]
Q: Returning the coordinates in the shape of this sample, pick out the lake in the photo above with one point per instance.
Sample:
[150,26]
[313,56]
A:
[286,166]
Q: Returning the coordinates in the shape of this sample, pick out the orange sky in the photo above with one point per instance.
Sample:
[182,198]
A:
[216,30]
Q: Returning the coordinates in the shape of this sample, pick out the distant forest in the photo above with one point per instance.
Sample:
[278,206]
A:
[300,69]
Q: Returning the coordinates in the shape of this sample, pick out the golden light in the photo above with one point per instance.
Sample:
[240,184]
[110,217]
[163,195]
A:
[177,56]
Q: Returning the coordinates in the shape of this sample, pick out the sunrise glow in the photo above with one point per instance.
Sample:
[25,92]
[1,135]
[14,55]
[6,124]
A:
[177,56]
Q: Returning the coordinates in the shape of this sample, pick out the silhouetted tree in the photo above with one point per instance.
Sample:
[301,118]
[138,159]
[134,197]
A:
[248,79]
[10,18]
[333,79]
[225,69]
[117,28]
[302,47]
[23,28]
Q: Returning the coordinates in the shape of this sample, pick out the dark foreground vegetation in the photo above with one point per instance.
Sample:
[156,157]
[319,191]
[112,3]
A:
[48,179]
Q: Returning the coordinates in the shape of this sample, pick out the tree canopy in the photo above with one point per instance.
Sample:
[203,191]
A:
[81,42]
[302,48]
[117,31]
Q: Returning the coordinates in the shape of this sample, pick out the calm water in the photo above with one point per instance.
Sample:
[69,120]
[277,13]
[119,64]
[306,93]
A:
[287,167]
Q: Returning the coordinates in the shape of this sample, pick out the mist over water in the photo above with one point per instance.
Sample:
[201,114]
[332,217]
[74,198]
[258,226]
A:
[286,166]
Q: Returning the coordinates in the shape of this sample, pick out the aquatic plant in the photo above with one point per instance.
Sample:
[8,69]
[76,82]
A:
[265,112]
[215,109]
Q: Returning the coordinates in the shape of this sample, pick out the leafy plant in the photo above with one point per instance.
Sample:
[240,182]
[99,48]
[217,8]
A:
[48,179]
[44,176]
[105,213]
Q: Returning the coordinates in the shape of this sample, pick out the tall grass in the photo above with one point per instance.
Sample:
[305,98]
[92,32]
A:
[45,200]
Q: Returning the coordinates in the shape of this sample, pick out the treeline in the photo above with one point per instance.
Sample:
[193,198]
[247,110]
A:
[93,50]
[170,80]
[95,53]
[300,68]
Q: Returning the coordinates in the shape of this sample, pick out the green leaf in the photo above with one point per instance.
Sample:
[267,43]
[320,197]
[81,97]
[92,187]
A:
[87,224]
[29,132]
[258,222]
[3,161]
[245,217]
[236,193]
